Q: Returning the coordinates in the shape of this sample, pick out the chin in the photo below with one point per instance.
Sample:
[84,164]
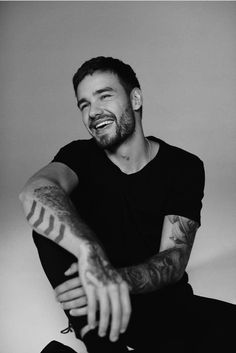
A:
[108,142]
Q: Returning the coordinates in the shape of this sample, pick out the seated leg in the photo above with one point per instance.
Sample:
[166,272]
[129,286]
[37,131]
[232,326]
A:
[55,261]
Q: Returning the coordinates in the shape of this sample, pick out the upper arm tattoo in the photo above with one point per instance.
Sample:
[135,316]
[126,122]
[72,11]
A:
[183,231]
[167,266]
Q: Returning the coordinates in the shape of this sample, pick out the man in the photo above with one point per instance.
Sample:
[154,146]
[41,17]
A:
[119,213]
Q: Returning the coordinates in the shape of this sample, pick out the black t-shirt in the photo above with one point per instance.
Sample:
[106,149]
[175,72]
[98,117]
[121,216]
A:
[126,211]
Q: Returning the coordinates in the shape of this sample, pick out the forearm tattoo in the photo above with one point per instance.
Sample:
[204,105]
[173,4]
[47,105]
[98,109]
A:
[52,212]
[167,266]
[100,266]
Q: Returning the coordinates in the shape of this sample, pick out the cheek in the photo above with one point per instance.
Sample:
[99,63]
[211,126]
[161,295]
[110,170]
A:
[85,119]
[118,110]
[85,114]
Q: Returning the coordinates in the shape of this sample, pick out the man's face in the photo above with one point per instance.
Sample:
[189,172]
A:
[106,109]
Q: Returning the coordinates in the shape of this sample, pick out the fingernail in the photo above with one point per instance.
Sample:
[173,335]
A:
[102,334]
[114,338]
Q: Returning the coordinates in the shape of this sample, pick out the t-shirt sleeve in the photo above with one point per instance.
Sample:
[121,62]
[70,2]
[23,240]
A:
[186,189]
[71,155]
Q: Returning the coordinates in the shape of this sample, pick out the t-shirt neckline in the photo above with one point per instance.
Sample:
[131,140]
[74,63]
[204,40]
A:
[146,166]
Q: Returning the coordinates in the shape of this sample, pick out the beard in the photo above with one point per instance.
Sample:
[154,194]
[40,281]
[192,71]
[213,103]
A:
[124,129]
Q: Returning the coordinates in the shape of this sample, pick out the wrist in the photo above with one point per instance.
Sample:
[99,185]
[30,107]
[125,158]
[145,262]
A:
[89,247]
[123,273]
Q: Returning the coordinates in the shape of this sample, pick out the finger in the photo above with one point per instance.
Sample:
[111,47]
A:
[71,294]
[74,304]
[92,305]
[125,305]
[72,269]
[79,312]
[67,285]
[104,308]
[114,294]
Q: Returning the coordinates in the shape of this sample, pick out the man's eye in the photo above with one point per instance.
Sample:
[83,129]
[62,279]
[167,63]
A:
[82,107]
[104,96]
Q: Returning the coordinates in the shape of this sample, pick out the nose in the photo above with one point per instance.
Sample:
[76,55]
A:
[95,110]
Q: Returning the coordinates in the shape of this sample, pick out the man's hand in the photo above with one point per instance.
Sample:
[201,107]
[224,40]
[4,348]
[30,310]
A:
[105,290]
[71,293]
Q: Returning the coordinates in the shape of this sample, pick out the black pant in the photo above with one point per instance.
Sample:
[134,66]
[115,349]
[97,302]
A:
[172,319]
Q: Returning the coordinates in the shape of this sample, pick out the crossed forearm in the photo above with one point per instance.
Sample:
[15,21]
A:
[160,270]
[51,213]
[48,208]
[167,266]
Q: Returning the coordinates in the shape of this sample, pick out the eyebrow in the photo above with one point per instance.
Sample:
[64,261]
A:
[99,91]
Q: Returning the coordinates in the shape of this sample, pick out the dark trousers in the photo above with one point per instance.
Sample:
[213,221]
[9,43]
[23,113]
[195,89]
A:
[168,320]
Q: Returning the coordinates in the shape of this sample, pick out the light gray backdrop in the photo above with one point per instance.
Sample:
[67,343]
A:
[184,54]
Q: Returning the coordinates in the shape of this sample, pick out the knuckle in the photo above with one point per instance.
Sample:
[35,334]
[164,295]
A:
[124,284]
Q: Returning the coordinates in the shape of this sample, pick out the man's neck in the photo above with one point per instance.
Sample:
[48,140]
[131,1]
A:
[132,155]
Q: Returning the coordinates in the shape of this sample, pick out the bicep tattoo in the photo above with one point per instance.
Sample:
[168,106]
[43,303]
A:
[183,231]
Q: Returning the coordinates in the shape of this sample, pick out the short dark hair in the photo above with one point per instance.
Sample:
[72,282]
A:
[125,73]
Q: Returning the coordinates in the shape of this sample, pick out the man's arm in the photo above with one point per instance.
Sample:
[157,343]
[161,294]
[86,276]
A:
[50,212]
[167,266]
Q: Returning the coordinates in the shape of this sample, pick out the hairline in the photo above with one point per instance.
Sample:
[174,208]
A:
[126,87]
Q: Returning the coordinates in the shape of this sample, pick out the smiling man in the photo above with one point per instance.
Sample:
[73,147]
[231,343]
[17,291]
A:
[118,214]
[106,109]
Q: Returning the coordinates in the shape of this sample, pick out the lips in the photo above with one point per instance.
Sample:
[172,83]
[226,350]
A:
[101,123]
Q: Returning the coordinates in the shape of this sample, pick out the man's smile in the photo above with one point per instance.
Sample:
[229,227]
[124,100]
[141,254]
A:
[101,124]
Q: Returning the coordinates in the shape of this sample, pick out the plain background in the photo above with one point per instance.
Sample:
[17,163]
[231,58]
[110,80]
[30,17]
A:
[184,54]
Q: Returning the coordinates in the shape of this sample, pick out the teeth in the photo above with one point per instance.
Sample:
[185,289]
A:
[104,123]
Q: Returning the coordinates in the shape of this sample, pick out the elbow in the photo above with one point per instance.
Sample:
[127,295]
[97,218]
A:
[180,259]
[27,191]
[178,273]
[22,195]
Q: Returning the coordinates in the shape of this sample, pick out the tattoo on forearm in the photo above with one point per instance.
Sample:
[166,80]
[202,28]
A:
[61,234]
[63,214]
[51,225]
[31,213]
[40,219]
[101,267]
[153,274]
[167,266]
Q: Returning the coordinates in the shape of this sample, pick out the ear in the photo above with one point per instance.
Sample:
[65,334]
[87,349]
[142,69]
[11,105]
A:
[136,98]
